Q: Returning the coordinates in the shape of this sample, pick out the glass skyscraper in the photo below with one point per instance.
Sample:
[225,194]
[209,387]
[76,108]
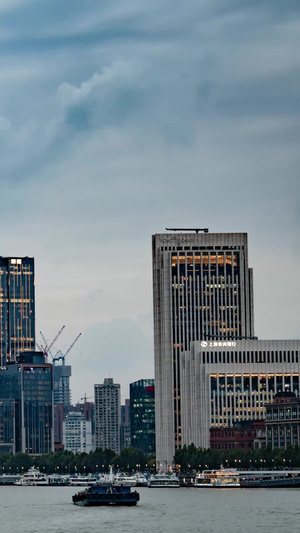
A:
[142,415]
[26,405]
[17,307]
[202,289]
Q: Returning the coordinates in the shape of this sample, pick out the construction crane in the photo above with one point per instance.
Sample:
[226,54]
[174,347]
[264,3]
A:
[62,357]
[85,398]
[47,348]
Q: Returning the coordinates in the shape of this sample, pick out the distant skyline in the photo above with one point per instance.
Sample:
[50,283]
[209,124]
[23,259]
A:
[122,118]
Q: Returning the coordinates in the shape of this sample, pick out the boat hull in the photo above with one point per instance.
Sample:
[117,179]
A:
[106,494]
[106,500]
[288,482]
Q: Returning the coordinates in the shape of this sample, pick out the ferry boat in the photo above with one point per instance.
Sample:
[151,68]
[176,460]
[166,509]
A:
[218,479]
[106,494]
[33,477]
[270,479]
[163,480]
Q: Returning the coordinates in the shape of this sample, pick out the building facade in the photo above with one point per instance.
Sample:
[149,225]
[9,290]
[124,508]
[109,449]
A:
[107,415]
[17,307]
[59,415]
[125,433]
[61,384]
[245,435]
[283,420]
[142,416]
[226,382]
[77,433]
[202,289]
[26,405]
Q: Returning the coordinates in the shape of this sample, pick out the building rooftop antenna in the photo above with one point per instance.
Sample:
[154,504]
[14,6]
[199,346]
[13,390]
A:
[205,230]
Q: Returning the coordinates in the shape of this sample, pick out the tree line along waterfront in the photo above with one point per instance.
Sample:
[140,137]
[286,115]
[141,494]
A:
[190,458]
[187,459]
[66,462]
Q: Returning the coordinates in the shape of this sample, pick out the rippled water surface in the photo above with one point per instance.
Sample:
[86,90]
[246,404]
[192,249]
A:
[50,510]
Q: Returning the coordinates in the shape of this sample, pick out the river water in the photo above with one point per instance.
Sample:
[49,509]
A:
[50,510]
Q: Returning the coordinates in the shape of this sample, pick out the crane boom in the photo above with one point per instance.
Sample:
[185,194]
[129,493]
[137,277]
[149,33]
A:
[45,347]
[70,348]
[55,338]
[85,398]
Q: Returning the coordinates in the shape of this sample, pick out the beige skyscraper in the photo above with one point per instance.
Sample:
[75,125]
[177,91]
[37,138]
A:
[108,415]
[202,290]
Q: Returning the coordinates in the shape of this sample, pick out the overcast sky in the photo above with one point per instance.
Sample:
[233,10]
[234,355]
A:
[122,117]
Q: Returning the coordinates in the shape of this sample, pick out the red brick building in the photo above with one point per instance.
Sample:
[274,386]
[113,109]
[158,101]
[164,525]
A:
[246,435]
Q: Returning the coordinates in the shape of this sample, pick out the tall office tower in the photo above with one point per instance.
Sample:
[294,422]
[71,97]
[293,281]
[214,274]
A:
[125,426]
[17,307]
[26,405]
[202,289]
[107,415]
[142,416]
[61,397]
[61,384]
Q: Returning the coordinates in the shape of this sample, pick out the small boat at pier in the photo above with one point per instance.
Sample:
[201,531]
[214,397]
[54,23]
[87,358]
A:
[163,480]
[125,480]
[32,478]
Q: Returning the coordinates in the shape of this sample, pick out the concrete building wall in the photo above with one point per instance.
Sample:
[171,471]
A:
[107,415]
[77,433]
[225,384]
[202,289]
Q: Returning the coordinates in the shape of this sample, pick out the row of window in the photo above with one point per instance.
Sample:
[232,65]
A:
[281,356]
[282,413]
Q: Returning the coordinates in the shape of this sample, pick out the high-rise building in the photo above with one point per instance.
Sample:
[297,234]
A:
[77,433]
[26,405]
[202,289]
[142,416]
[59,414]
[61,384]
[17,307]
[107,415]
[125,436]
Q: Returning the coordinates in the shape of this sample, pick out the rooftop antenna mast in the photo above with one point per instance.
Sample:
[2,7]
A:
[205,230]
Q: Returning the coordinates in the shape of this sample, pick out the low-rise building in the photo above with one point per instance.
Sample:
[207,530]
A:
[226,382]
[283,420]
[246,435]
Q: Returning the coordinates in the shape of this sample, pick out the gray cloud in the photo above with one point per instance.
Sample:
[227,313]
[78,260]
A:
[119,119]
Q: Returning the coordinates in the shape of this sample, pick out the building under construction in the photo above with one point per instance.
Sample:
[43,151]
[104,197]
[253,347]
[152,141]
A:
[61,382]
